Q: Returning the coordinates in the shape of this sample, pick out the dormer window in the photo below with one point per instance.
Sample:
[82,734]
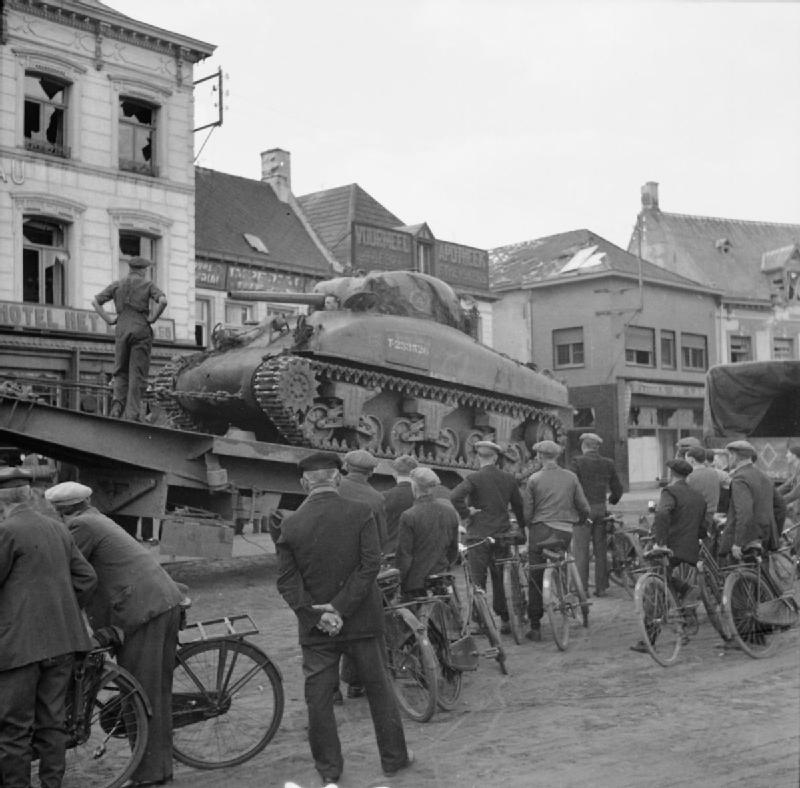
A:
[782,267]
[723,245]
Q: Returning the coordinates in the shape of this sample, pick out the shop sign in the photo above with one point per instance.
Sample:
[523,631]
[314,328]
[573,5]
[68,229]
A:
[408,350]
[74,321]
[243,278]
[212,276]
[381,249]
[666,390]
[461,266]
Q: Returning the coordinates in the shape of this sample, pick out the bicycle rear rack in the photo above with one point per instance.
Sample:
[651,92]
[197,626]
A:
[218,628]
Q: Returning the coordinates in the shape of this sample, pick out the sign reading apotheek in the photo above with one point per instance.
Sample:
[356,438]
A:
[461,265]
[74,321]
[381,249]
[242,278]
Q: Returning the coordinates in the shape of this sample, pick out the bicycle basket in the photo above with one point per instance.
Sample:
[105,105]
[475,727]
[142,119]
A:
[463,654]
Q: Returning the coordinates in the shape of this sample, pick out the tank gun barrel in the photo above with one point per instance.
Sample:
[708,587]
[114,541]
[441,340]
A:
[311,299]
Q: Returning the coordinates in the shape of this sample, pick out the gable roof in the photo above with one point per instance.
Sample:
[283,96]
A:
[725,254]
[331,213]
[228,206]
[567,256]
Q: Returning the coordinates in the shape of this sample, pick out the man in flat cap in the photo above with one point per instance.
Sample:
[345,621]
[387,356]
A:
[755,506]
[43,580]
[138,303]
[135,594]
[328,562]
[482,500]
[359,465]
[679,524]
[557,504]
[428,541]
[398,499]
[599,479]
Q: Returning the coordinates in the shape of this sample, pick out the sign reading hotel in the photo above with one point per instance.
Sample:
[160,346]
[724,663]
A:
[243,278]
[381,249]
[73,321]
[461,266]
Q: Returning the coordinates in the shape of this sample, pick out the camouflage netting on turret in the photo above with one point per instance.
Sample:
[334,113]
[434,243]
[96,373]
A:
[404,293]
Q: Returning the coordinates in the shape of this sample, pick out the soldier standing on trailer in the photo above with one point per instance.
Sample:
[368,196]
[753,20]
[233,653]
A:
[139,303]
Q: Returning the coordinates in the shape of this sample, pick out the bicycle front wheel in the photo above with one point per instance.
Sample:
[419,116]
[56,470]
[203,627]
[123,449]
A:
[660,620]
[515,600]
[483,615]
[227,703]
[107,746]
[554,593]
[742,594]
[449,680]
[578,592]
[411,663]
[624,558]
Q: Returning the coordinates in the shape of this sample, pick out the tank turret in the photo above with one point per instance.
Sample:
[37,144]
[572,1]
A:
[381,362]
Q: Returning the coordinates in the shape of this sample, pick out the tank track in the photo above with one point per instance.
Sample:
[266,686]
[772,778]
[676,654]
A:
[270,387]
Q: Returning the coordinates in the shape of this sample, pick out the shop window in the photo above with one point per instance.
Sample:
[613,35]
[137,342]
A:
[202,321]
[238,314]
[45,114]
[783,348]
[132,244]
[137,132]
[668,360]
[694,351]
[568,347]
[44,262]
[640,350]
[741,348]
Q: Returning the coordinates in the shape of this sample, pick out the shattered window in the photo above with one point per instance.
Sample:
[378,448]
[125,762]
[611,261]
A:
[45,114]
[137,128]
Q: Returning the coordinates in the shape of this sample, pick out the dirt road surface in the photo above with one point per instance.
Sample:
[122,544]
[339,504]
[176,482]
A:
[596,715]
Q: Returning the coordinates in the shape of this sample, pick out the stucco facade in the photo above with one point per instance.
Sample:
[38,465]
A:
[96,151]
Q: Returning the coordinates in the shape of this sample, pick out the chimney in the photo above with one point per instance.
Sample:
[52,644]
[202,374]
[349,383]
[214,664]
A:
[649,196]
[276,170]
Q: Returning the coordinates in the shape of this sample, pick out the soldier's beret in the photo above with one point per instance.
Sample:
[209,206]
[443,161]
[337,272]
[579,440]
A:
[549,448]
[404,464]
[681,467]
[322,460]
[487,446]
[360,458]
[139,262]
[13,476]
[590,436]
[67,493]
[742,447]
[425,477]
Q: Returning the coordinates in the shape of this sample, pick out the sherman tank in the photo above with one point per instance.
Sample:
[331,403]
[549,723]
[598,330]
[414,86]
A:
[382,362]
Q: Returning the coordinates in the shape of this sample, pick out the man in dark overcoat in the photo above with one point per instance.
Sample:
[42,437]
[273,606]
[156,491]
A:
[599,478]
[135,594]
[755,505]
[43,579]
[398,499]
[483,499]
[328,562]
[428,541]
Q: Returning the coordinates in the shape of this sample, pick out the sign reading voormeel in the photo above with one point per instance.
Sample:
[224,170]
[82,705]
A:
[73,321]
[381,249]
[408,350]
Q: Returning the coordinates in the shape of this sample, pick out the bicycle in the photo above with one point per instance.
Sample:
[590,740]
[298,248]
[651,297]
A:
[227,704]
[664,624]
[411,661]
[755,611]
[562,590]
[515,583]
[710,577]
[625,554]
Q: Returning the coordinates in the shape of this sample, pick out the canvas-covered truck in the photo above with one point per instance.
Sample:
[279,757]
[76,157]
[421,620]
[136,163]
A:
[758,401]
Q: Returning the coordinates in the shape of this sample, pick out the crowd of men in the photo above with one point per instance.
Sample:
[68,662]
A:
[59,555]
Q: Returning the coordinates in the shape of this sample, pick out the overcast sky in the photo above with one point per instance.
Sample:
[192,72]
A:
[498,121]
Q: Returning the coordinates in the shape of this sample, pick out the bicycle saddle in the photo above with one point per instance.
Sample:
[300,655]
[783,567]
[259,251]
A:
[389,575]
[657,552]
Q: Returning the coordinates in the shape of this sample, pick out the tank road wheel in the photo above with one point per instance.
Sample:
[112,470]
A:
[369,433]
[315,426]
[445,448]
[400,438]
